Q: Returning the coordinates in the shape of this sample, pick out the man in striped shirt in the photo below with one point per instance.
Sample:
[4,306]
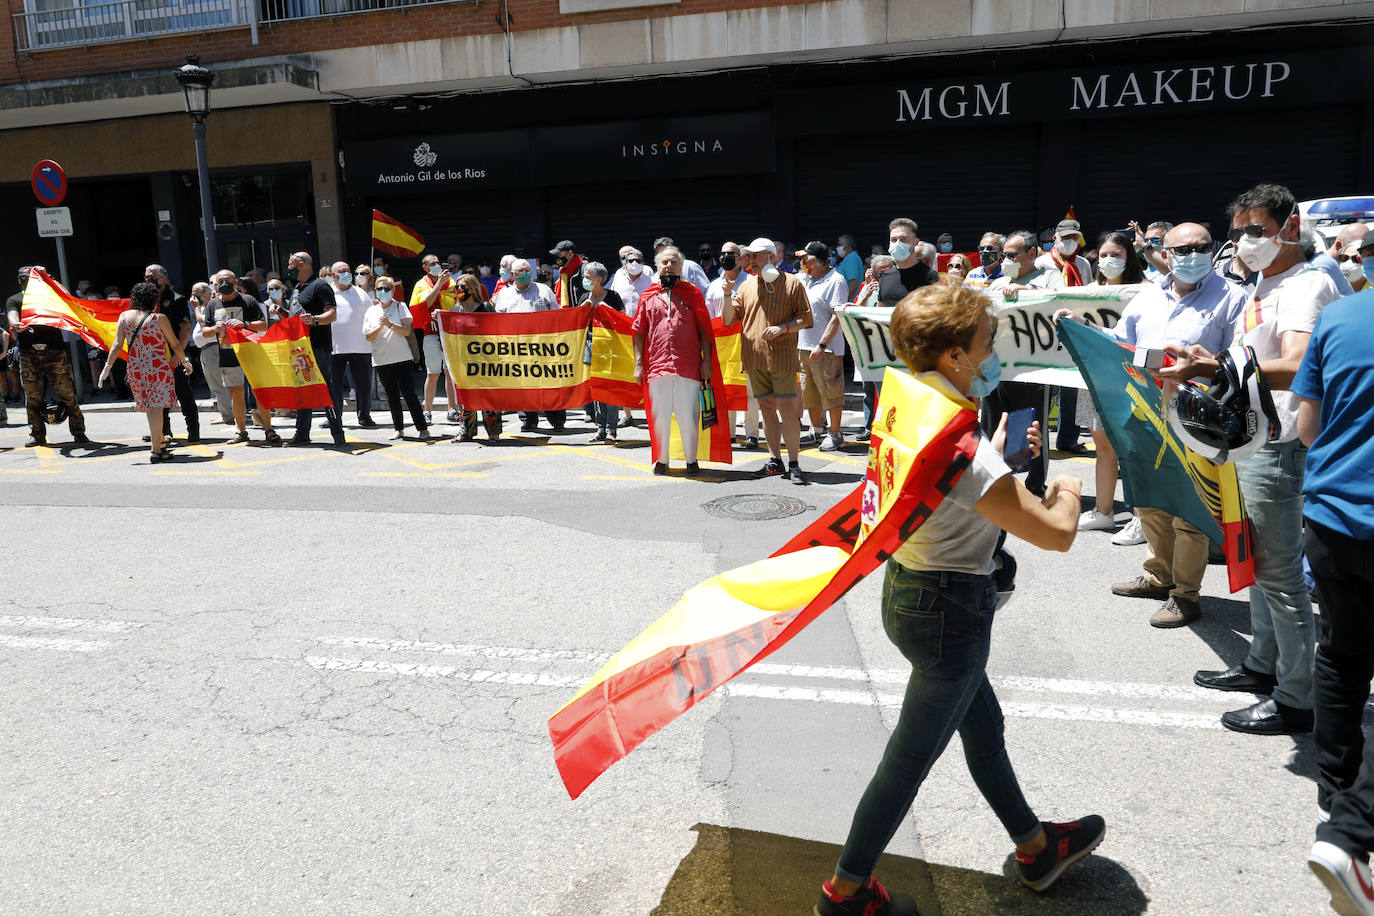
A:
[774,306]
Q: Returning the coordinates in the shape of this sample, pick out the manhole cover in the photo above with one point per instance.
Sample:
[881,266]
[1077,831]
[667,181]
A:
[755,507]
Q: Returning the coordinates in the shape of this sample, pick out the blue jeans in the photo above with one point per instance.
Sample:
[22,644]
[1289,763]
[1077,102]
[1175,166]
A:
[606,417]
[942,623]
[1280,606]
[872,391]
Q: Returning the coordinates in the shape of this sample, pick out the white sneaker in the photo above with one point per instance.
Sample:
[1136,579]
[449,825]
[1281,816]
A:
[833,442]
[1131,535]
[1092,520]
[1346,879]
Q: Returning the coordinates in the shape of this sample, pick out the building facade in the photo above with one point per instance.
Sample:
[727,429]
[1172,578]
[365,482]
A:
[495,127]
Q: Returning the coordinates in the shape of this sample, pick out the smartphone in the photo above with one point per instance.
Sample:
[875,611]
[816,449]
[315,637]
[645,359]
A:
[1017,453]
[1149,359]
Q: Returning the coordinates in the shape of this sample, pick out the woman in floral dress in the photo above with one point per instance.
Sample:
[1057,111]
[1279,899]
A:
[149,335]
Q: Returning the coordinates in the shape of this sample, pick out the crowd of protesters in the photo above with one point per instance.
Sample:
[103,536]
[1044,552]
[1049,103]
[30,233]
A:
[1264,284]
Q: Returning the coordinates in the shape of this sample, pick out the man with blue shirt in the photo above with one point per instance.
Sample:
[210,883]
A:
[990,261]
[1191,306]
[1335,387]
[850,265]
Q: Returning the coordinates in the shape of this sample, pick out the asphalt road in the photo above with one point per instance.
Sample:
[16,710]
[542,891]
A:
[259,681]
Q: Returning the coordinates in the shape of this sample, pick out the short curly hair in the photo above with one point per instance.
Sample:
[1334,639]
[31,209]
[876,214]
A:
[144,297]
[934,319]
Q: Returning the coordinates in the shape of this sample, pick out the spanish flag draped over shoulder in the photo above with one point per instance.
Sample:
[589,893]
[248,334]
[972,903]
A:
[1157,470]
[47,303]
[279,364]
[922,442]
[395,237]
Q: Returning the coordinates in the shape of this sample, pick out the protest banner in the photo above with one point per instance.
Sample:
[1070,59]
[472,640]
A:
[922,442]
[519,361]
[1026,341]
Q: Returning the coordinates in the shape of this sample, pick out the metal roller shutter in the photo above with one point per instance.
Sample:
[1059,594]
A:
[600,218]
[1189,167]
[961,181]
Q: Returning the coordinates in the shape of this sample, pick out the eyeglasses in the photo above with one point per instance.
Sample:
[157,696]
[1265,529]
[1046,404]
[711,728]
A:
[992,248]
[1011,255]
[1154,242]
[1254,231]
[1199,248]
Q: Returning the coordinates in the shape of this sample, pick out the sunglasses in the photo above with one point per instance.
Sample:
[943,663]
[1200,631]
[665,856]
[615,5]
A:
[634,261]
[1011,255]
[1349,257]
[1254,231]
[992,248]
[1200,248]
[1154,242]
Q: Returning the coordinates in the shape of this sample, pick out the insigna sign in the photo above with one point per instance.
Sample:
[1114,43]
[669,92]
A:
[671,148]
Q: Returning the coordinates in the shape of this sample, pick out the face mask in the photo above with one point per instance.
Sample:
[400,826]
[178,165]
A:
[899,250]
[1257,254]
[1047,246]
[587,284]
[383,295]
[1190,268]
[989,373]
[728,261]
[434,270]
[504,274]
[1368,267]
[291,274]
[1011,269]
[225,288]
[987,258]
[1111,267]
[275,294]
[769,274]
[378,271]
[484,271]
[1067,246]
[524,276]
[345,279]
[667,280]
[561,260]
[1351,269]
[634,268]
[946,247]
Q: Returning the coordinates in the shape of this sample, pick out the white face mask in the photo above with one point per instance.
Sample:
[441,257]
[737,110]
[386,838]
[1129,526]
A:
[769,274]
[633,268]
[1011,269]
[1111,267]
[1352,269]
[1067,246]
[1257,254]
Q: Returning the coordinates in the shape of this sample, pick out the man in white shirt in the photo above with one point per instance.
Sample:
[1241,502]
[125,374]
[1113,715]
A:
[631,279]
[524,294]
[1068,239]
[352,350]
[1277,323]
[820,348]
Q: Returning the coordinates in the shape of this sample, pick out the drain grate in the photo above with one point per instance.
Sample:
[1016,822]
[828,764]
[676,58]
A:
[755,507]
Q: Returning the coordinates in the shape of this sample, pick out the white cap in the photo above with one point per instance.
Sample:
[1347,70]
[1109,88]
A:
[758,245]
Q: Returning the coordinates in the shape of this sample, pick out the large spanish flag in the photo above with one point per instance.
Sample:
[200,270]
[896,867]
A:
[395,237]
[47,303]
[279,364]
[922,442]
[520,360]
[1157,470]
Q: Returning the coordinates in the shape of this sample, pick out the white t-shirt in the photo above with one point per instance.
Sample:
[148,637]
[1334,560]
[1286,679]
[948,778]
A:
[630,288]
[957,537]
[1290,301]
[533,298]
[715,293]
[388,347]
[350,306]
[826,293]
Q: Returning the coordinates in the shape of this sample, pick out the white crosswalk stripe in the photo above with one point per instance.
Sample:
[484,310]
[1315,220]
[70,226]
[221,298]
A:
[27,623]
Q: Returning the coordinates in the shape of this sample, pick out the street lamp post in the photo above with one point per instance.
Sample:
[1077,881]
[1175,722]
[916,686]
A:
[195,82]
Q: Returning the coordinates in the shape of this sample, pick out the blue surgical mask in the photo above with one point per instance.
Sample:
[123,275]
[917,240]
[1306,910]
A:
[345,279]
[1190,268]
[275,294]
[383,295]
[505,274]
[899,250]
[946,247]
[1368,269]
[989,373]
[587,284]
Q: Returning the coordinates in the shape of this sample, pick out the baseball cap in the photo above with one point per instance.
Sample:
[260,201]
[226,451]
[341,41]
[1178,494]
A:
[563,246]
[758,245]
[1068,225]
[24,271]
[815,250]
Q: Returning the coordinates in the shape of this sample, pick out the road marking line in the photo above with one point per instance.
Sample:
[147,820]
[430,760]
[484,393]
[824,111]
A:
[418,474]
[69,623]
[612,477]
[58,645]
[30,470]
[208,471]
[448,648]
[480,676]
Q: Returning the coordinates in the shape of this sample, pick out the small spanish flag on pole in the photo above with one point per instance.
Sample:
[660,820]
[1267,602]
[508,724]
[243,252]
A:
[395,238]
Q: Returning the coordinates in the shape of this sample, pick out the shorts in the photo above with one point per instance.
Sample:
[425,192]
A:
[434,353]
[822,380]
[770,383]
[231,375]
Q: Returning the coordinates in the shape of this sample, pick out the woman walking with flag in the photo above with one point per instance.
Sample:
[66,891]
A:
[149,335]
[938,604]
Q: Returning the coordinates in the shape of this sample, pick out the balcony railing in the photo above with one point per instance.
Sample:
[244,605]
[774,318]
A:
[282,10]
[95,23]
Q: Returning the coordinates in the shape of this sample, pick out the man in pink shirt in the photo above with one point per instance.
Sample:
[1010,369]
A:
[673,357]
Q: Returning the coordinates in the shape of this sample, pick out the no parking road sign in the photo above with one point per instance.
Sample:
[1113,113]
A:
[49,183]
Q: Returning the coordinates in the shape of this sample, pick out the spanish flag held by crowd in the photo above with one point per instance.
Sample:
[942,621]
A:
[280,366]
[47,302]
[922,442]
[394,237]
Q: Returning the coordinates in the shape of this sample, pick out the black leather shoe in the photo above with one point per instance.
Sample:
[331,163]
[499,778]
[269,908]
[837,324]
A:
[81,438]
[1269,717]
[1237,678]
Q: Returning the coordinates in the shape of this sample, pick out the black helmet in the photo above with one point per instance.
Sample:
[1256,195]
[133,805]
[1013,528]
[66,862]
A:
[57,413]
[1230,419]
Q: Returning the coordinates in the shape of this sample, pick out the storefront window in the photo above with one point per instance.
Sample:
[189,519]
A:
[261,201]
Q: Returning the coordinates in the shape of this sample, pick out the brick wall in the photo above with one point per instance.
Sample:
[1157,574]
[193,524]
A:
[329,33]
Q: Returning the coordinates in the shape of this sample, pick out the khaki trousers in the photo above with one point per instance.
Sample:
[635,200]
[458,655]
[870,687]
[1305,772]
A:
[1178,553]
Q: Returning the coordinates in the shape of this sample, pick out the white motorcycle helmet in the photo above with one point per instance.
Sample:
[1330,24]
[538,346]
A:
[1230,419]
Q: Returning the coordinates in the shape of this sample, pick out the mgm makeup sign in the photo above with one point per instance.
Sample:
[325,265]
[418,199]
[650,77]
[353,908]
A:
[1266,80]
